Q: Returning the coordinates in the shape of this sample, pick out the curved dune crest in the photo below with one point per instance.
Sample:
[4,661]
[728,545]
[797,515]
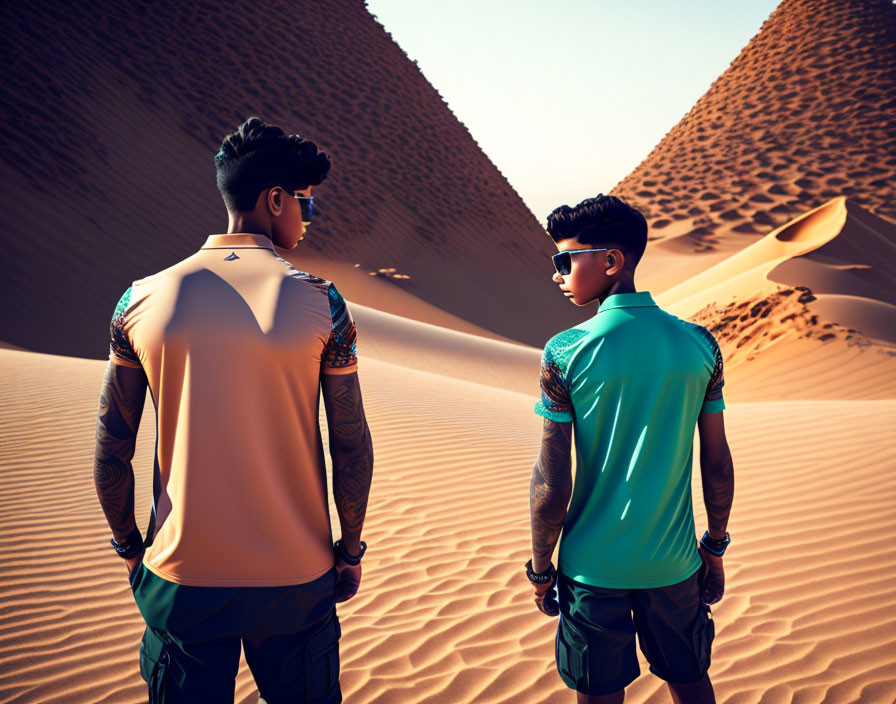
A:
[464,356]
[837,248]
[771,334]
[744,273]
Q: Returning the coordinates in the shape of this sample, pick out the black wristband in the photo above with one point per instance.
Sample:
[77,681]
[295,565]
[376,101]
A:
[131,547]
[343,555]
[713,546]
[540,577]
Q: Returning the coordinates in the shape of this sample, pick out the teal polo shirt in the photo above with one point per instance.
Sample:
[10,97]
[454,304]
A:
[633,380]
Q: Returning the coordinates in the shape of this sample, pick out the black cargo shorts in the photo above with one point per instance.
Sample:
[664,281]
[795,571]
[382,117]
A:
[595,644]
[190,650]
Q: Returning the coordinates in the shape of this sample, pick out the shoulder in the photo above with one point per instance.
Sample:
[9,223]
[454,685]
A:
[560,348]
[123,303]
[324,286]
[339,312]
[701,333]
[175,271]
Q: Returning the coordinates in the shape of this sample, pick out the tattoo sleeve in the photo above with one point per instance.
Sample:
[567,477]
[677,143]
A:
[121,402]
[718,494]
[549,491]
[351,450]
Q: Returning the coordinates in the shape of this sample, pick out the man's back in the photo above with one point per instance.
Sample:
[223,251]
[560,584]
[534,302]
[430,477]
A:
[633,379]
[233,341]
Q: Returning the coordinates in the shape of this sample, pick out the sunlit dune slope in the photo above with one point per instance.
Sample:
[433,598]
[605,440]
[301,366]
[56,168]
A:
[802,115]
[777,343]
[460,355]
[379,291]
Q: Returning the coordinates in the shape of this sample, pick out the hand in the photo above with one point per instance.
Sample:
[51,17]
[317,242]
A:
[546,598]
[712,577]
[134,563]
[348,579]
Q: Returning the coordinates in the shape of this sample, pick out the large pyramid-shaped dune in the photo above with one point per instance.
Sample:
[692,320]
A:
[805,113]
[112,114]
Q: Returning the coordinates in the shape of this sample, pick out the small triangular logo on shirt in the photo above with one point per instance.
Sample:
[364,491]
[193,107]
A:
[231,257]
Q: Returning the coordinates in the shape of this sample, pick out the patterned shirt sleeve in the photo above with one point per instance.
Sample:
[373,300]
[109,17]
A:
[340,354]
[120,349]
[713,401]
[555,403]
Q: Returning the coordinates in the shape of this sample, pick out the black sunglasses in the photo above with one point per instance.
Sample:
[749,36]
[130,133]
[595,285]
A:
[563,260]
[306,204]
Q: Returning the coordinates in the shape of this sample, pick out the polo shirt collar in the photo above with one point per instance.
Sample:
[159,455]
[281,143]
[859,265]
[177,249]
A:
[638,299]
[237,239]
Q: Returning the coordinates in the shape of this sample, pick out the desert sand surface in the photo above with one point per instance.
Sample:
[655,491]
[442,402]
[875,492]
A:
[378,289]
[444,613]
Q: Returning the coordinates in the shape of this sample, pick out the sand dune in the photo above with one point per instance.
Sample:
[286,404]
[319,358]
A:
[382,292]
[444,613]
[802,115]
[127,134]
[781,342]
[417,345]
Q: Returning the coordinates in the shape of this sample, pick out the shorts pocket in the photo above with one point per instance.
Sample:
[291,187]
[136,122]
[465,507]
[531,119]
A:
[703,635]
[156,664]
[569,652]
[322,662]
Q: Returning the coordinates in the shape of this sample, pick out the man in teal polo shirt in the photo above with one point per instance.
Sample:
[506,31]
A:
[633,382]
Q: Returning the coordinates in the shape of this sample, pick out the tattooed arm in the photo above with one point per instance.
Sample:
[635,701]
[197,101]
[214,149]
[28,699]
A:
[352,452]
[120,408]
[549,491]
[717,471]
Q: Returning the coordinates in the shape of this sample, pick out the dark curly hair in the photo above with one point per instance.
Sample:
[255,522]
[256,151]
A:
[602,220]
[258,156]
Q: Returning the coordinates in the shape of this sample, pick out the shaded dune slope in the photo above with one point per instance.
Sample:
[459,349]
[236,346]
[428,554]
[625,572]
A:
[112,116]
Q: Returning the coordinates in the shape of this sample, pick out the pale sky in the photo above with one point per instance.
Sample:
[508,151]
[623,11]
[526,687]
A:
[567,97]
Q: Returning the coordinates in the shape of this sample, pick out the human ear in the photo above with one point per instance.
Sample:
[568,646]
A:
[615,257]
[275,201]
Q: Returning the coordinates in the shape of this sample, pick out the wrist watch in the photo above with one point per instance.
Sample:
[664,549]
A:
[715,547]
[343,555]
[540,577]
[131,547]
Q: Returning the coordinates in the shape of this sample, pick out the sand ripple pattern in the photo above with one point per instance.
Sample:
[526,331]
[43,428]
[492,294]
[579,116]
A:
[802,115]
[444,614]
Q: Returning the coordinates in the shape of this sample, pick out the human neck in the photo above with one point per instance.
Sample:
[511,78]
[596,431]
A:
[622,286]
[247,223]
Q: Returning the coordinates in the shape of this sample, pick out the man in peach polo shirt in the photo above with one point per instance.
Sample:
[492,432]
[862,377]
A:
[235,346]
